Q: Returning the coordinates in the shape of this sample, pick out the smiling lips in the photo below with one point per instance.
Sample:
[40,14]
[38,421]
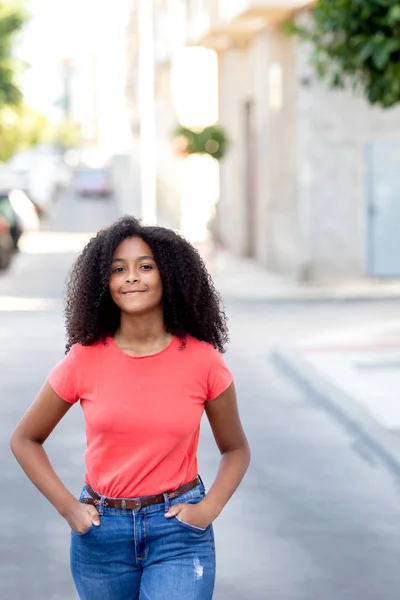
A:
[134,292]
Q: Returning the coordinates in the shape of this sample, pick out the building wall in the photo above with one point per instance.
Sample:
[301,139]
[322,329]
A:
[169,209]
[235,67]
[310,174]
[281,159]
[245,76]
[194,84]
[334,128]
[168,28]
[185,82]
[168,40]
[264,196]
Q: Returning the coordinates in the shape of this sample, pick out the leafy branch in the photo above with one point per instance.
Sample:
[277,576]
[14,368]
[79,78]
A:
[356,42]
[211,140]
[12,19]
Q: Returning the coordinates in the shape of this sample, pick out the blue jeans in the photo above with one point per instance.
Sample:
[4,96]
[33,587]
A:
[141,555]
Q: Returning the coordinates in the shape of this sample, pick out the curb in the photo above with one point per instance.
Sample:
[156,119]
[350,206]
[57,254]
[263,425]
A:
[378,443]
[304,299]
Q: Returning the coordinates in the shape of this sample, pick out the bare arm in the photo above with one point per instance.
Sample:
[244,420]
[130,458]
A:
[27,445]
[226,426]
[223,415]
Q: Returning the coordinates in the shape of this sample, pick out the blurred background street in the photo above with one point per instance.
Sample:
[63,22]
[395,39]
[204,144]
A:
[207,116]
[315,516]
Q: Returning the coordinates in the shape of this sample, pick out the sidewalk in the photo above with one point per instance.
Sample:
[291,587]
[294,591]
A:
[355,375]
[244,279]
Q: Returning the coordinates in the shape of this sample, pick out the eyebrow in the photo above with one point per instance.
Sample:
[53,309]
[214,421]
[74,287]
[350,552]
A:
[138,258]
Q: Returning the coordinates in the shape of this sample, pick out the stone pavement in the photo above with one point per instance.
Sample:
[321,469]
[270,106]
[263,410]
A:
[355,374]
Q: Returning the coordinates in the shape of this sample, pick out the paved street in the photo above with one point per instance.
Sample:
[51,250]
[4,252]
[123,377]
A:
[314,519]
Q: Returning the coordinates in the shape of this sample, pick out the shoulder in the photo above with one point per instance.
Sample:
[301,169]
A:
[202,352]
[82,349]
[212,365]
[79,351]
[70,375]
[200,347]
[86,354]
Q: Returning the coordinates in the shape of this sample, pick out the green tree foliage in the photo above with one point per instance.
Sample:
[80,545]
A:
[67,135]
[20,127]
[211,140]
[357,42]
[12,19]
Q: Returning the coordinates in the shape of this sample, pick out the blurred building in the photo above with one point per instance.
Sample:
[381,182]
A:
[78,76]
[79,92]
[164,46]
[186,91]
[310,186]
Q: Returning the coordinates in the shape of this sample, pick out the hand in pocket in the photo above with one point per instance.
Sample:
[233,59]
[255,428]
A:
[81,517]
[192,514]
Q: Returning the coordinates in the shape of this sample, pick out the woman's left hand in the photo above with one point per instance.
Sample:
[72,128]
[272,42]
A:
[192,514]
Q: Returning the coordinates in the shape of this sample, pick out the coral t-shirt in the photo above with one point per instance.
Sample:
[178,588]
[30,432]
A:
[142,414]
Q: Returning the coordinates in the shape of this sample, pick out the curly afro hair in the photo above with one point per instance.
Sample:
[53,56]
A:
[190,302]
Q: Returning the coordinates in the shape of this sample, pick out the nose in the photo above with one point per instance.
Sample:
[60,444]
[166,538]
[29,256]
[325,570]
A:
[132,279]
[132,276]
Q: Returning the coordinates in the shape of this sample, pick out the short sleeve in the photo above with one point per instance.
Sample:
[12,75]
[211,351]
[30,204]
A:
[63,377]
[219,376]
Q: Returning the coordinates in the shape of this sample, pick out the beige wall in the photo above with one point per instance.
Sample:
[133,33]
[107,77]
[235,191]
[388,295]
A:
[280,161]
[244,76]
[310,172]
[168,199]
[334,128]
[235,87]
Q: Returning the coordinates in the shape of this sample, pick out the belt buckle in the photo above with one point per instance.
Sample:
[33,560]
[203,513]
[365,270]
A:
[173,495]
[137,504]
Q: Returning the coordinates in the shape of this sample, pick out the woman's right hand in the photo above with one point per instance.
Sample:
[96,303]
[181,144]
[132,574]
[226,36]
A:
[81,517]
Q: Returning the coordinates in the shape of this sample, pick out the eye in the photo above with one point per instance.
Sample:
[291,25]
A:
[118,270]
[146,267]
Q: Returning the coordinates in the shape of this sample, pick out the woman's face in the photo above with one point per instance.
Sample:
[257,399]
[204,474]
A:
[135,282]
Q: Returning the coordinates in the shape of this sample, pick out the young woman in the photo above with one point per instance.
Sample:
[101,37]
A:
[145,330]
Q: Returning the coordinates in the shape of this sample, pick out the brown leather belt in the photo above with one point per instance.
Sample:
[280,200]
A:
[136,503]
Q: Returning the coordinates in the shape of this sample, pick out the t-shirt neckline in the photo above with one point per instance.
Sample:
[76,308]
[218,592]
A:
[113,345]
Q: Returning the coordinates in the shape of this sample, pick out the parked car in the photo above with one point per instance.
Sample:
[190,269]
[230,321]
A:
[93,182]
[42,172]
[39,210]
[6,244]
[25,209]
[7,212]
[20,213]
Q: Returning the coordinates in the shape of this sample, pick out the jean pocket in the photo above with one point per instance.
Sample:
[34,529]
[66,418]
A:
[189,526]
[85,532]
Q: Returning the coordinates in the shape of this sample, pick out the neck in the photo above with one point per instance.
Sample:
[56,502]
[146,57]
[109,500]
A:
[142,329]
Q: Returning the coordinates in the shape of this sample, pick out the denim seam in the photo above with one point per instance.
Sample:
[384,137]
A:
[146,534]
[135,537]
